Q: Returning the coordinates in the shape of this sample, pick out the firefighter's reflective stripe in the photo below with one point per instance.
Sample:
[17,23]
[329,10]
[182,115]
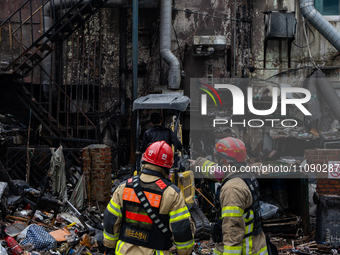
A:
[248,242]
[217,252]
[232,250]
[114,208]
[154,199]
[119,247]
[185,245]
[144,218]
[263,251]
[232,211]
[159,252]
[110,237]
[179,214]
[206,166]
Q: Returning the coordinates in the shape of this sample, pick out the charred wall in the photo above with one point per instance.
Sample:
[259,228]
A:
[277,60]
[106,56]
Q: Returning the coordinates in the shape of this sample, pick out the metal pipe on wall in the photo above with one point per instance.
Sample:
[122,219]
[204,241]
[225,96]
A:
[234,76]
[135,129]
[325,28]
[122,58]
[134,49]
[174,78]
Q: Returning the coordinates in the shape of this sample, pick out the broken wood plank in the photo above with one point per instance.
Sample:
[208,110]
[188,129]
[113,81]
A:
[25,220]
[307,244]
[281,224]
[280,220]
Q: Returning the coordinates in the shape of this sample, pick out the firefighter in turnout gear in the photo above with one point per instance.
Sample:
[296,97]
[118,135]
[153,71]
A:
[239,228]
[147,210]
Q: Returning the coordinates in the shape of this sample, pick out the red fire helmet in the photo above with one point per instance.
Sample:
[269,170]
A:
[160,154]
[231,149]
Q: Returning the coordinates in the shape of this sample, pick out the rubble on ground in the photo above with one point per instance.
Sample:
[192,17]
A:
[72,232]
[58,218]
[11,131]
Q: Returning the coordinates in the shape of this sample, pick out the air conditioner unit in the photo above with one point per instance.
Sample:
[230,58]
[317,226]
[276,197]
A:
[279,24]
[206,45]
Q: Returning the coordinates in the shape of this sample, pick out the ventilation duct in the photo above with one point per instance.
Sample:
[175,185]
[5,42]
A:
[320,23]
[174,78]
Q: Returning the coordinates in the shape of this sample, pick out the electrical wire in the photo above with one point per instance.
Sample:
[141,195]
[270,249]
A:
[307,23]
[307,40]
[266,80]
[181,56]
[187,40]
[210,16]
[289,71]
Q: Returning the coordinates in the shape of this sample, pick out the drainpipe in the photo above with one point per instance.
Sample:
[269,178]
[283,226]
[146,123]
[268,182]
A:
[320,23]
[134,49]
[135,124]
[174,78]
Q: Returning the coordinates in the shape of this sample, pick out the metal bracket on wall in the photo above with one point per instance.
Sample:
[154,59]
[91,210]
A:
[210,75]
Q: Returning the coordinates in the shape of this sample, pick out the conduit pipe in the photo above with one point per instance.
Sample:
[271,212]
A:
[320,23]
[174,78]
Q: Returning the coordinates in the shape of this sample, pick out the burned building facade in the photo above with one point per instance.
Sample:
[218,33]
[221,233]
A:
[76,68]
[84,85]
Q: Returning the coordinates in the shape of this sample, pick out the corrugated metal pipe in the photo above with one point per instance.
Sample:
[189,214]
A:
[56,5]
[174,78]
[320,23]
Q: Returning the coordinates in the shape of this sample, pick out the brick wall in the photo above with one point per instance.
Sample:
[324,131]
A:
[322,156]
[97,169]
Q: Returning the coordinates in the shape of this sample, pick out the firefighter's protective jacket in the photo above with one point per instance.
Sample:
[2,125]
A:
[172,205]
[235,198]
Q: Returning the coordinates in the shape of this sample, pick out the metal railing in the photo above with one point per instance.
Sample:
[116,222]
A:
[20,30]
[77,95]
